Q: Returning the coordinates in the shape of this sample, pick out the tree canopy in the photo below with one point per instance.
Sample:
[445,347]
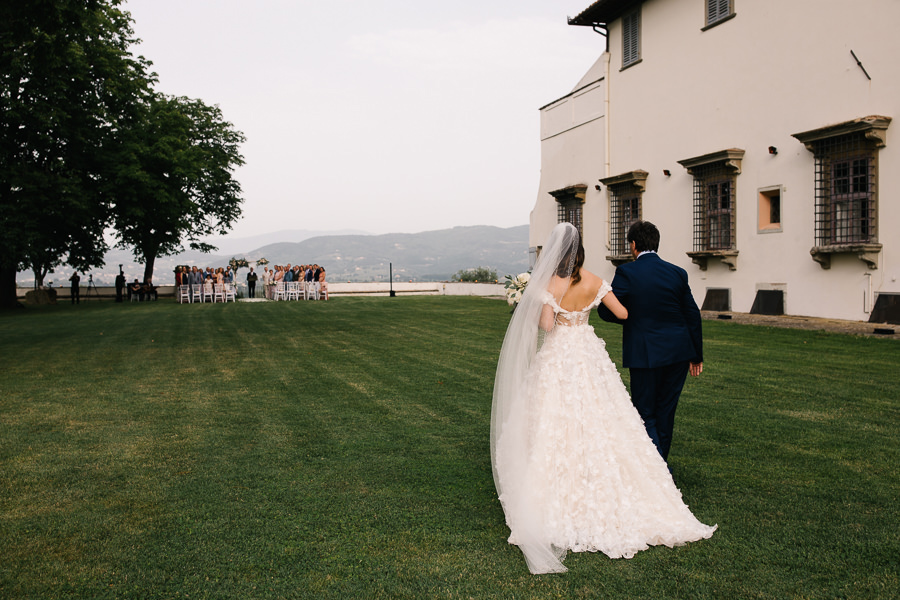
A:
[87,144]
[177,184]
[68,87]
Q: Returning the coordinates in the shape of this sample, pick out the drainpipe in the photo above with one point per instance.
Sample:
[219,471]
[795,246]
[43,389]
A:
[606,126]
[868,300]
[603,29]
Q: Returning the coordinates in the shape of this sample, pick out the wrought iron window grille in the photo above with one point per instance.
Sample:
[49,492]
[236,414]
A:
[846,188]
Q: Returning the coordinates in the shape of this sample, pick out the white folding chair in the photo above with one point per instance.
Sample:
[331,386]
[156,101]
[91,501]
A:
[219,292]
[292,290]
[312,293]
[230,292]
[278,292]
[207,292]
[196,292]
[184,294]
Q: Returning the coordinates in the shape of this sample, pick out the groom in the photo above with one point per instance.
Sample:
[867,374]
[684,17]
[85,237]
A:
[661,339]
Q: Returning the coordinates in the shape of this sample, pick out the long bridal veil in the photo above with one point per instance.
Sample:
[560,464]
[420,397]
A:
[510,413]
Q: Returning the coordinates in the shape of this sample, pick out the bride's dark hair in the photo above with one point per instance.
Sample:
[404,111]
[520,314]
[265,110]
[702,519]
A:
[570,266]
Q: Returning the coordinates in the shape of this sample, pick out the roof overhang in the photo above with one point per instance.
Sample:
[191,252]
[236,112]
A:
[603,11]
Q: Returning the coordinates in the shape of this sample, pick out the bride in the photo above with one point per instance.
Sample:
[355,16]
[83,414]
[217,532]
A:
[573,465]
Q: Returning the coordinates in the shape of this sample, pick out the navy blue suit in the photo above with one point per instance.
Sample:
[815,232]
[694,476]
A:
[660,339]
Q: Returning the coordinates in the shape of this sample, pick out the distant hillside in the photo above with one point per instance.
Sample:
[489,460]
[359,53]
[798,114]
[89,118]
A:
[426,256]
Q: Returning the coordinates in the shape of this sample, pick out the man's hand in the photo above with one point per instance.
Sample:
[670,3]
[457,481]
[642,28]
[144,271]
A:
[696,369]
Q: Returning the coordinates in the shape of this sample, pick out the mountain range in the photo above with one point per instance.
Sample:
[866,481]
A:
[346,255]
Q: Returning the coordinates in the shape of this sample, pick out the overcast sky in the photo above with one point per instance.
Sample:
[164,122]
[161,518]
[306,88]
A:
[377,115]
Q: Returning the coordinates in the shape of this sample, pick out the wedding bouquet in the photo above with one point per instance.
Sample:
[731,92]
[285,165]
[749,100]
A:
[515,287]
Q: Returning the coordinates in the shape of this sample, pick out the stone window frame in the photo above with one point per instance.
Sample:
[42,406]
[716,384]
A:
[729,163]
[628,185]
[571,205]
[873,130]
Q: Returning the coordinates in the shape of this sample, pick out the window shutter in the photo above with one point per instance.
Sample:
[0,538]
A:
[717,10]
[631,30]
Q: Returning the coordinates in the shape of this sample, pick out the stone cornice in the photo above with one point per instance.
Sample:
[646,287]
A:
[731,157]
[637,178]
[874,127]
[572,192]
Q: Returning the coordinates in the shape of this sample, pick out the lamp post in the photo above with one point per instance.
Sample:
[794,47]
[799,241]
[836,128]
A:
[391,275]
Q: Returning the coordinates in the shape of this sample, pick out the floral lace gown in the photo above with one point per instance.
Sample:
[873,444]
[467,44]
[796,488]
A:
[598,480]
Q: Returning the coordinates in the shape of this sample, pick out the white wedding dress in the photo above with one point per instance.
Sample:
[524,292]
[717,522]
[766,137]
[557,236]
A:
[596,481]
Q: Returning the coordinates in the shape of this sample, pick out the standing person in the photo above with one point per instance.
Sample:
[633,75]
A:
[120,285]
[662,340]
[573,465]
[323,285]
[75,292]
[251,283]
[195,277]
[267,281]
[317,274]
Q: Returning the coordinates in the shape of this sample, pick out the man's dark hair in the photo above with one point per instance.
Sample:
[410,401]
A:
[645,236]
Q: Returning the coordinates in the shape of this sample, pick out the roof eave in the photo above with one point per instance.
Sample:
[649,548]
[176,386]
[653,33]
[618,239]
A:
[603,11]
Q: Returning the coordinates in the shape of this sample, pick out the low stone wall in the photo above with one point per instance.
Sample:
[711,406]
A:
[434,288]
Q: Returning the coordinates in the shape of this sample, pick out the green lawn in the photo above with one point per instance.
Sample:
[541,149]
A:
[340,450]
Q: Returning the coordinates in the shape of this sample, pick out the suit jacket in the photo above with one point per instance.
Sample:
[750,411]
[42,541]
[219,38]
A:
[664,324]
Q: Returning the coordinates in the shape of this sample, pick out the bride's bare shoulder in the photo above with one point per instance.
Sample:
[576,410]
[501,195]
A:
[557,285]
[591,279]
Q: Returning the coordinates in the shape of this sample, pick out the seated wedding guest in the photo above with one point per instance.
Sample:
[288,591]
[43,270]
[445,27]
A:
[135,289]
[148,289]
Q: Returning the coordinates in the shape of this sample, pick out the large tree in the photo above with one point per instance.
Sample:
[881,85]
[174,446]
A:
[68,87]
[178,183]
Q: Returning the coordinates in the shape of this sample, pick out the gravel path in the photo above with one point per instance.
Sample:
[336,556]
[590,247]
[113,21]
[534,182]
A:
[882,330]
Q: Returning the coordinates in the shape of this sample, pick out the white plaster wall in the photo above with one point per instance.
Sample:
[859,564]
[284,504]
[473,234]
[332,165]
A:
[775,69]
[572,153]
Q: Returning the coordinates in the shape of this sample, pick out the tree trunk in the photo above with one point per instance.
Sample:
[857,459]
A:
[8,297]
[39,274]
[149,260]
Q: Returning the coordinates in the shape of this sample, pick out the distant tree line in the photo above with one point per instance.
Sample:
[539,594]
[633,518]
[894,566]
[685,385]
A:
[87,146]
[482,274]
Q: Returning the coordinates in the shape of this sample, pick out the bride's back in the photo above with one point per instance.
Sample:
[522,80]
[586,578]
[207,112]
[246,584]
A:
[582,293]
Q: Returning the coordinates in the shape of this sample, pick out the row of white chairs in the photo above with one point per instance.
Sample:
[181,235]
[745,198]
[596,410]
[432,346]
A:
[206,292]
[299,290]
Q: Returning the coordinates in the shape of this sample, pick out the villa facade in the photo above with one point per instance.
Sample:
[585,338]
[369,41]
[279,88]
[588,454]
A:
[755,133]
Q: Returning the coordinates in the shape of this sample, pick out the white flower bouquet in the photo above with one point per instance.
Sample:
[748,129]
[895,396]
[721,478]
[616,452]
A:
[515,287]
